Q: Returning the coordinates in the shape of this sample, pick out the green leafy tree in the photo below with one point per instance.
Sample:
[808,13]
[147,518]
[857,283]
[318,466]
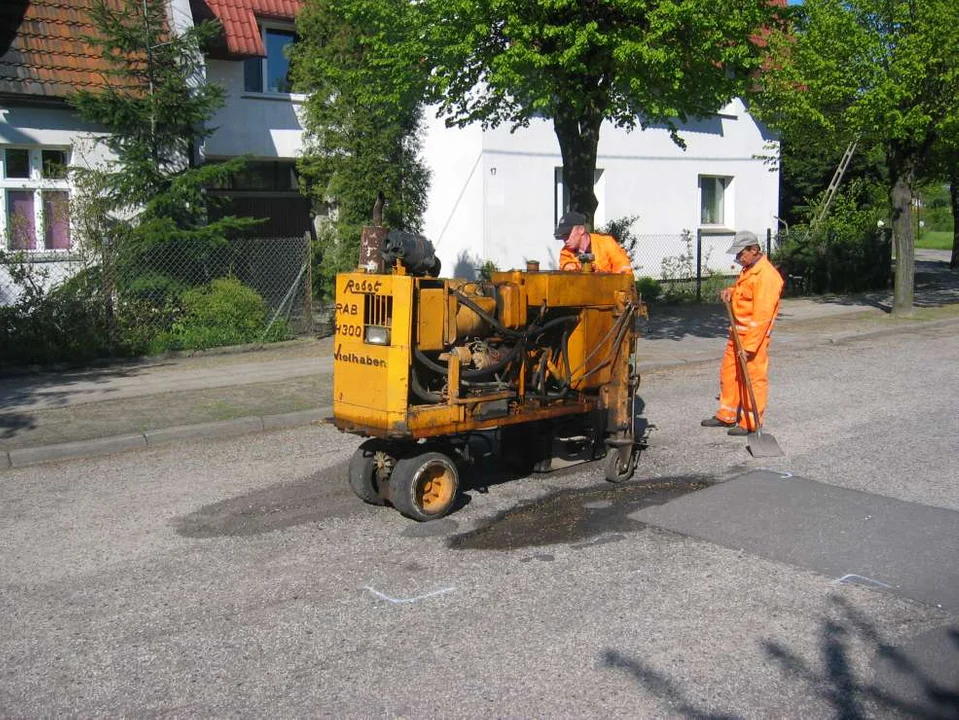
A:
[945,166]
[362,118]
[579,64]
[155,108]
[883,71]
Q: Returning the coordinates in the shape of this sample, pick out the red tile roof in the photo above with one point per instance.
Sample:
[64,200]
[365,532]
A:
[43,50]
[239,19]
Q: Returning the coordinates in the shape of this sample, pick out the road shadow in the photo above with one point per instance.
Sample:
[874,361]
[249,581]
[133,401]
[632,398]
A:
[917,680]
[13,423]
[675,322]
[274,508]
[24,390]
[935,285]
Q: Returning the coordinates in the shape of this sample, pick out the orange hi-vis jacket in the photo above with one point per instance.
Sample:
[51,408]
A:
[608,256]
[755,302]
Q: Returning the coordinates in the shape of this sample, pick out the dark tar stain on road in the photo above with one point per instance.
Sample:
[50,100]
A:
[580,518]
[273,508]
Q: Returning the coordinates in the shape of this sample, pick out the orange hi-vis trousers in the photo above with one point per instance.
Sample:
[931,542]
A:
[733,394]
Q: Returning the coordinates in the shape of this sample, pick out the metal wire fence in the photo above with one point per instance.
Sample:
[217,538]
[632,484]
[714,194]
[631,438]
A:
[168,295]
[686,264]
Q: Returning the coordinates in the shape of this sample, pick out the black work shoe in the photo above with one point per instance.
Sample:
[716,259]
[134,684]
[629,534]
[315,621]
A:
[715,422]
[738,431]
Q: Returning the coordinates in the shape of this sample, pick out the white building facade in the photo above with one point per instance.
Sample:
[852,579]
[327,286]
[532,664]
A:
[496,196]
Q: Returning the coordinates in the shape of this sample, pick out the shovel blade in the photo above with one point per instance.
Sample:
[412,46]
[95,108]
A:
[762,444]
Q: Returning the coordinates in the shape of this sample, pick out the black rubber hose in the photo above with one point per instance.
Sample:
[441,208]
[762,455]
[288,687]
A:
[466,374]
[420,392]
[486,316]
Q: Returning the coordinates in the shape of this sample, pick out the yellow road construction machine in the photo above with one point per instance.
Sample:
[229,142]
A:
[421,363]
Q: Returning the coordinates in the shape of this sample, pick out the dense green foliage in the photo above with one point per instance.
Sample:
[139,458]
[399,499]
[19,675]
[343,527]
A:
[224,312]
[362,118]
[848,252]
[69,323]
[149,207]
[581,64]
[885,72]
[140,222]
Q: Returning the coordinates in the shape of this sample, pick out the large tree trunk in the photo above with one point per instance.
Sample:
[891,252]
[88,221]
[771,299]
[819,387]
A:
[954,198]
[902,172]
[578,142]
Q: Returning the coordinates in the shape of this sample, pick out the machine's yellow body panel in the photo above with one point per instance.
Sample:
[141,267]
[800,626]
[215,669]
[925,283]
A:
[463,356]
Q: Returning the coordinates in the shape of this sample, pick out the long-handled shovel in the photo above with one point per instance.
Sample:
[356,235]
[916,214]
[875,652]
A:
[758,443]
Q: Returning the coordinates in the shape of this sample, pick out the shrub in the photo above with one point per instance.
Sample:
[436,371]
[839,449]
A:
[649,288]
[845,253]
[224,312]
[65,324]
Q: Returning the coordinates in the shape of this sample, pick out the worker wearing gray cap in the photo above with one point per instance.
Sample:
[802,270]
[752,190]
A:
[755,303]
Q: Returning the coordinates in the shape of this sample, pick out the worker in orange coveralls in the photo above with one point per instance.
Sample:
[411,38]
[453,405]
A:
[755,303]
[608,255]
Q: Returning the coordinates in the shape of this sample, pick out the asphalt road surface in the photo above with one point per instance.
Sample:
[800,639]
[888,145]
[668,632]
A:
[240,577]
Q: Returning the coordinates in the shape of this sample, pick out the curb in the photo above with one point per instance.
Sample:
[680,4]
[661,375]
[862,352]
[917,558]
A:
[23,457]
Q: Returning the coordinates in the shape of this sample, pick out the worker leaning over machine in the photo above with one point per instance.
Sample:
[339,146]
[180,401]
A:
[755,304]
[608,255]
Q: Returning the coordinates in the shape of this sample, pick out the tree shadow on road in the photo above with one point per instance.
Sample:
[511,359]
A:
[11,424]
[56,388]
[917,680]
[674,322]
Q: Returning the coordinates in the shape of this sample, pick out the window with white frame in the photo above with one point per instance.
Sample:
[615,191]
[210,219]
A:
[34,198]
[712,199]
[271,74]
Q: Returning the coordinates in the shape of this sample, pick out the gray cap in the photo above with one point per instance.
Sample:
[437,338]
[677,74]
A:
[568,222]
[743,240]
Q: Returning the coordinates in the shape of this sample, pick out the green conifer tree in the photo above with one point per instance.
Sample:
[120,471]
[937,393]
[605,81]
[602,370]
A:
[155,108]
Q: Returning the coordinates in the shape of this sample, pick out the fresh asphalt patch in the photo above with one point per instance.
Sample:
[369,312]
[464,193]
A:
[579,518]
[893,546]
[900,547]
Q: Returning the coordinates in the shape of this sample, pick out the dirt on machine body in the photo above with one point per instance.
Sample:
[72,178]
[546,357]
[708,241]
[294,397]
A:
[422,362]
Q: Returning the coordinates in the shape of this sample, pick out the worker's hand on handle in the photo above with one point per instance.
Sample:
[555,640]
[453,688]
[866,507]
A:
[726,294]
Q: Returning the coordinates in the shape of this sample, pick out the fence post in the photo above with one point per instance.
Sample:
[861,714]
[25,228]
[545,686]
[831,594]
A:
[308,285]
[106,275]
[699,265]
[769,241]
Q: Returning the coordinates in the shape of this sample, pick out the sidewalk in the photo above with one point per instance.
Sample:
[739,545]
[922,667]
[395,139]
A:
[49,416]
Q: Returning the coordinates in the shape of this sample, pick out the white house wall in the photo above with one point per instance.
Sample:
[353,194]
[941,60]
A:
[52,126]
[259,124]
[643,173]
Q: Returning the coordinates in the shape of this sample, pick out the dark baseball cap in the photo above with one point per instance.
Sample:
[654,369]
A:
[568,222]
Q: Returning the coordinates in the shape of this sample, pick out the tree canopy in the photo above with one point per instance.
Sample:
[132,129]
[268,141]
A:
[362,116]
[579,64]
[885,72]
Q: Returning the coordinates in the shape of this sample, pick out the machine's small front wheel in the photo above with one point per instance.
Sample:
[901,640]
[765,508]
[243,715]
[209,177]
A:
[363,471]
[424,486]
[616,470]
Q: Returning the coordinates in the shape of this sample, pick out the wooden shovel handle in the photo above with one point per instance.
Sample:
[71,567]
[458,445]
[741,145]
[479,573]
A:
[741,359]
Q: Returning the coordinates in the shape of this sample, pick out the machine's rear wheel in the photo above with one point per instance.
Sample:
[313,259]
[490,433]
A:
[424,486]
[616,470]
[366,461]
